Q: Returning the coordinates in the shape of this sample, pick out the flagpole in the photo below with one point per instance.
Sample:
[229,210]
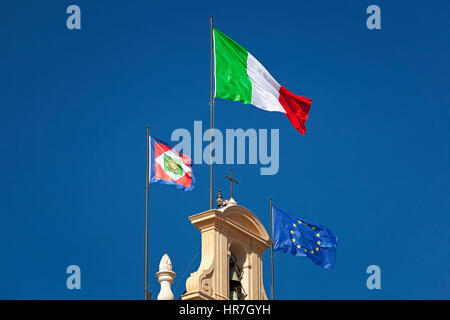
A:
[271,254]
[147,294]
[211,110]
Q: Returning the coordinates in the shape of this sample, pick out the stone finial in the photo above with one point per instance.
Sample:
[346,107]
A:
[231,202]
[165,264]
[165,277]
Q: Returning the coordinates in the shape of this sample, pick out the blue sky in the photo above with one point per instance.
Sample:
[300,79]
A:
[373,165]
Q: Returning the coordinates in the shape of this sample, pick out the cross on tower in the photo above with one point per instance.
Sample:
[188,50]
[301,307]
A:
[231,182]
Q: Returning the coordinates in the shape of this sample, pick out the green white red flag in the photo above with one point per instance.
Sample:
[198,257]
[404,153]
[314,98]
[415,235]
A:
[240,77]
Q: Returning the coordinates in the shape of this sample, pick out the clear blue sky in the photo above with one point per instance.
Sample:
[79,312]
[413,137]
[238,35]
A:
[373,165]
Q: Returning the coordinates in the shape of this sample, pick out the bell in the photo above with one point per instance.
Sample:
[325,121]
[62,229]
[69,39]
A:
[234,276]
[234,295]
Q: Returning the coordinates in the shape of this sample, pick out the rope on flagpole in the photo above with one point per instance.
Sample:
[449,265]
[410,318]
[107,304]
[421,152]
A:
[147,294]
[185,271]
[272,290]
[211,110]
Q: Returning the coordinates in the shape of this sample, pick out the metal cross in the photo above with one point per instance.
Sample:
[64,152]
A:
[231,181]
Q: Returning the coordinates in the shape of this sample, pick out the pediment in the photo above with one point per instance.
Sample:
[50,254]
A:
[246,219]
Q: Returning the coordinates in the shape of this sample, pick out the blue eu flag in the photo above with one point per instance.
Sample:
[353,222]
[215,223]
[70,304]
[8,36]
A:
[301,237]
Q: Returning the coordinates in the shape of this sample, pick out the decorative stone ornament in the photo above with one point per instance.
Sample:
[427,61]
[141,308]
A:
[165,277]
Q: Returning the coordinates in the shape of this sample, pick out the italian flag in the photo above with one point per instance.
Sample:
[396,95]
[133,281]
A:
[240,77]
[168,166]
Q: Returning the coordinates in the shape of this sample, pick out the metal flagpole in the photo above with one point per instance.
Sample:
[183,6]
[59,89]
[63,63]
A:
[271,253]
[211,118]
[147,294]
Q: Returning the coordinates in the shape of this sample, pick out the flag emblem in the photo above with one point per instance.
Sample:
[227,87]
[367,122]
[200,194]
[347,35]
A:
[169,166]
[172,165]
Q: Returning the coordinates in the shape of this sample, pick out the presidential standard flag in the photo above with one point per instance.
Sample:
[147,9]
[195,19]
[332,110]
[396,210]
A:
[169,166]
[301,237]
[240,77]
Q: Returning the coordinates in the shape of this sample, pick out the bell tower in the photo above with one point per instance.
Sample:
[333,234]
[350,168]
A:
[233,241]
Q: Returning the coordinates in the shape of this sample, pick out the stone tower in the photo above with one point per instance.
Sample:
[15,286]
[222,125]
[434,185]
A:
[231,231]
